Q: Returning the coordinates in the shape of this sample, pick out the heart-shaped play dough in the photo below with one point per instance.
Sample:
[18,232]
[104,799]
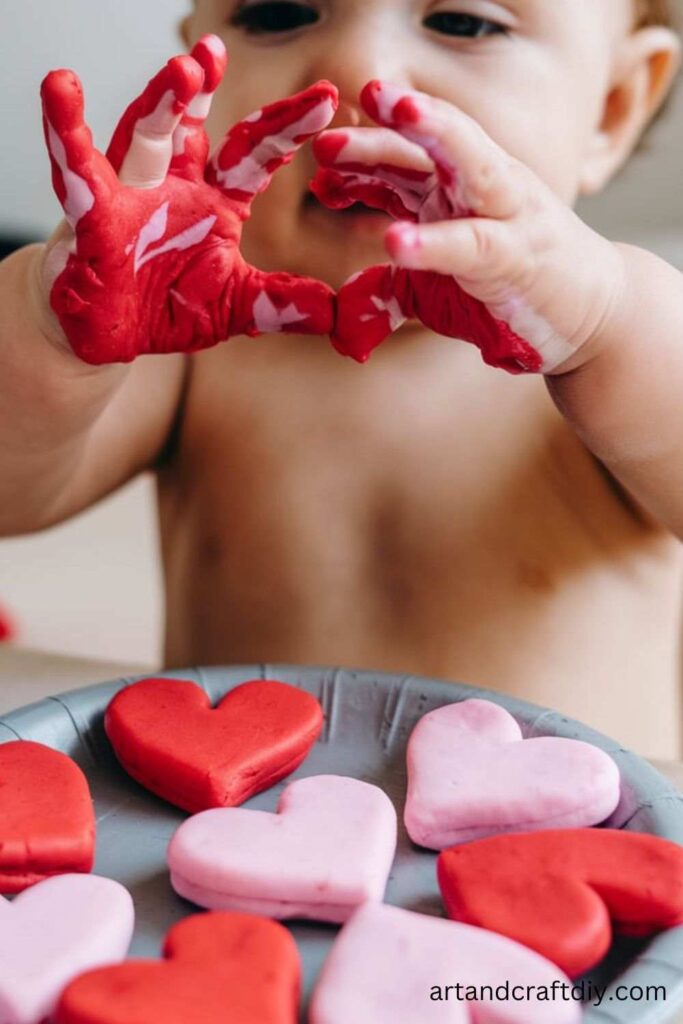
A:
[470,775]
[556,891]
[168,737]
[329,848]
[53,932]
[219,969]
[387,964]
[47,823]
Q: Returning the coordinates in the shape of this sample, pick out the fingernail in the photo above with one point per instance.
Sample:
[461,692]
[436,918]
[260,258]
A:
[402,239]
[390,104]
[407,111]
[210,53]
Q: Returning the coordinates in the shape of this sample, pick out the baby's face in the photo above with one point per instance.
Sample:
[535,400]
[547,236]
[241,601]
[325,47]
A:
[534,73]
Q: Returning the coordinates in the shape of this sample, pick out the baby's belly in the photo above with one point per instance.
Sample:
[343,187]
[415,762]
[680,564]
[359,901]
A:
[599,641]
[517,570]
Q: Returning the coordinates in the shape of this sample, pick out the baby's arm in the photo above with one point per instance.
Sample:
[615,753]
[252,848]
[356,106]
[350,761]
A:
[485,251]
[69,433]
[147,262]
[623,392]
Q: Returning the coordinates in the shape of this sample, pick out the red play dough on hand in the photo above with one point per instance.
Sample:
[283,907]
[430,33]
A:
[556,891]
[219,969]
[47,823]
[168,737]
[375,302]
[152,263]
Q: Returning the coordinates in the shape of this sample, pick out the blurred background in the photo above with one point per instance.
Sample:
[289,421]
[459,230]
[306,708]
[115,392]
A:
[93,586]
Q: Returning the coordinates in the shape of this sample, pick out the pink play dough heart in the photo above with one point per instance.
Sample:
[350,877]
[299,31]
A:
[328,849]
[54,931]
[471,774]
[386,963]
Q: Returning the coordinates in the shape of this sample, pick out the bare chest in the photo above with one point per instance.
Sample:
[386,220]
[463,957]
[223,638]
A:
[443,521]
[377,473]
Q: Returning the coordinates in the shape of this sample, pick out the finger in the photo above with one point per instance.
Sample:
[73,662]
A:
[340,191]
[441,304]
[142,146]
[81,176]
[190,141]
[256,147]
[368,311]
[473,248]
[266,303]
[376,167]
[371,146]
[477,176]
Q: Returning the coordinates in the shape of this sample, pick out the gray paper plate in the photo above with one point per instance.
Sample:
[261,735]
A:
[368,719]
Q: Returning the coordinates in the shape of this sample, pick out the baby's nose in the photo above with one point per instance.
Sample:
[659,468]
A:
[359,50]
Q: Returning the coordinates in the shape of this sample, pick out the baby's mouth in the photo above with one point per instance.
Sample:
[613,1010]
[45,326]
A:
[358,217]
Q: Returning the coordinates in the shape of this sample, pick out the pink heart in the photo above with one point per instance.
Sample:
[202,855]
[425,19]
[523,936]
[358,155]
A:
[328,849]
[54,931]
[387,962]
[471,774]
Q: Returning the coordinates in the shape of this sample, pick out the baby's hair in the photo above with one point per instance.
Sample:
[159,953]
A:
[654,12]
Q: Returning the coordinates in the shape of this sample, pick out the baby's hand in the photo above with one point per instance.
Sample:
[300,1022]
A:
[483,250]
[150,259]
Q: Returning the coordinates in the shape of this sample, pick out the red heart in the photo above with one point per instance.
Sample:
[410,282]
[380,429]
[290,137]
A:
[168,737]
[47,823]
[556,891]
[220,969]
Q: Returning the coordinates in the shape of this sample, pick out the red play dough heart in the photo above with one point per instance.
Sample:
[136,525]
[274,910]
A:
[220,969]
[47,823]
[556,891]
[168,737]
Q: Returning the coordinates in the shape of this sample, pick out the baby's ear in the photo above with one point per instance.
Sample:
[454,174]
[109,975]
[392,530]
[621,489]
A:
[644,70]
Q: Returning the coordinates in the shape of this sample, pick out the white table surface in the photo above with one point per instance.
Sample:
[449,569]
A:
[28,676]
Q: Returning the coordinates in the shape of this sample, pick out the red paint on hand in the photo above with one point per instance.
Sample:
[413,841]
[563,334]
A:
[157,268]
[372,304]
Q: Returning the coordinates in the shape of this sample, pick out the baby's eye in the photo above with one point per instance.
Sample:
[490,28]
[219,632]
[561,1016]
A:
[466,26]
[273,16]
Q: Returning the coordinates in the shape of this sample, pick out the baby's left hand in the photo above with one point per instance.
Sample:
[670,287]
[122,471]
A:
[483,250]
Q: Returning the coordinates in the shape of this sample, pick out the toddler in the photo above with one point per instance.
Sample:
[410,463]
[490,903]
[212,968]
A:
[423,513]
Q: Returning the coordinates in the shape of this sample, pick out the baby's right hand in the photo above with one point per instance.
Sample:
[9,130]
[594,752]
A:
[150,260]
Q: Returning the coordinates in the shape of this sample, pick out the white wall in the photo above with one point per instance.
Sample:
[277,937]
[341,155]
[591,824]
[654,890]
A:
[114,45]
[93,586]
